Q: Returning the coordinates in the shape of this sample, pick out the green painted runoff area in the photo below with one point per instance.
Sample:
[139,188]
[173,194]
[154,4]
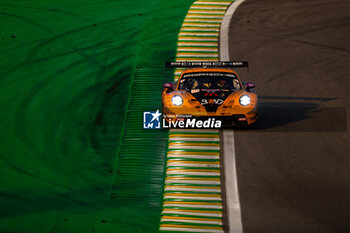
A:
[73,154]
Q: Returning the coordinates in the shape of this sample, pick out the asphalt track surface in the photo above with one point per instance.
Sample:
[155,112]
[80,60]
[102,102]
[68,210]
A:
[293,170]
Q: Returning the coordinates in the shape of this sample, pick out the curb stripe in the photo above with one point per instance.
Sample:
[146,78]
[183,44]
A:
[212,3]
[193,157]
[201,24]
[193,139]
[192,213]
[187,230]
[199,29]
[205,20]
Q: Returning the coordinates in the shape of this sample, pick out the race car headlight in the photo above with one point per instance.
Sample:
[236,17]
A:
[177,100]
[244,100]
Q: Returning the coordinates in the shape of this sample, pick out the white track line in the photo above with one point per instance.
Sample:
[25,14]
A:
[232,196]
[224,31]
[233,205]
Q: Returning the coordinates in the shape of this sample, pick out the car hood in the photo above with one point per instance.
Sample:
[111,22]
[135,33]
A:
[211,99]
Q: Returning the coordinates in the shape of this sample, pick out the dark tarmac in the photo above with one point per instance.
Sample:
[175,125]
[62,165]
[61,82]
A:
[294,168]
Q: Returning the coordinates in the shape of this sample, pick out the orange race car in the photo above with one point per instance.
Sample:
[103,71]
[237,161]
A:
[210,89]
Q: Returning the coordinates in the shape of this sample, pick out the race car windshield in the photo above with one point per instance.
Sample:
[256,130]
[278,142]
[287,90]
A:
[208,80]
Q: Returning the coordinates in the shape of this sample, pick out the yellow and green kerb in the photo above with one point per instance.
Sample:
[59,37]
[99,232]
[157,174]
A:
[199,35]
[192,195]
[192,190]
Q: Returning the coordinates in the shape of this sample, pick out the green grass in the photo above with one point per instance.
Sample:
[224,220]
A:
[65,72]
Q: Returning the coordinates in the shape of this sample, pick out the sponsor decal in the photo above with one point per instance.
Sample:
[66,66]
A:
[194,91]
[212,101]
[242,119]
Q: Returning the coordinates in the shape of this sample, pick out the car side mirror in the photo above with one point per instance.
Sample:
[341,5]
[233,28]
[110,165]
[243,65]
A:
[249,86]
[168,87]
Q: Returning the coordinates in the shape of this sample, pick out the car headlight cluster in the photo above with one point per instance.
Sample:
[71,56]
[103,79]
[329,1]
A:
[177,100]
[244,100]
